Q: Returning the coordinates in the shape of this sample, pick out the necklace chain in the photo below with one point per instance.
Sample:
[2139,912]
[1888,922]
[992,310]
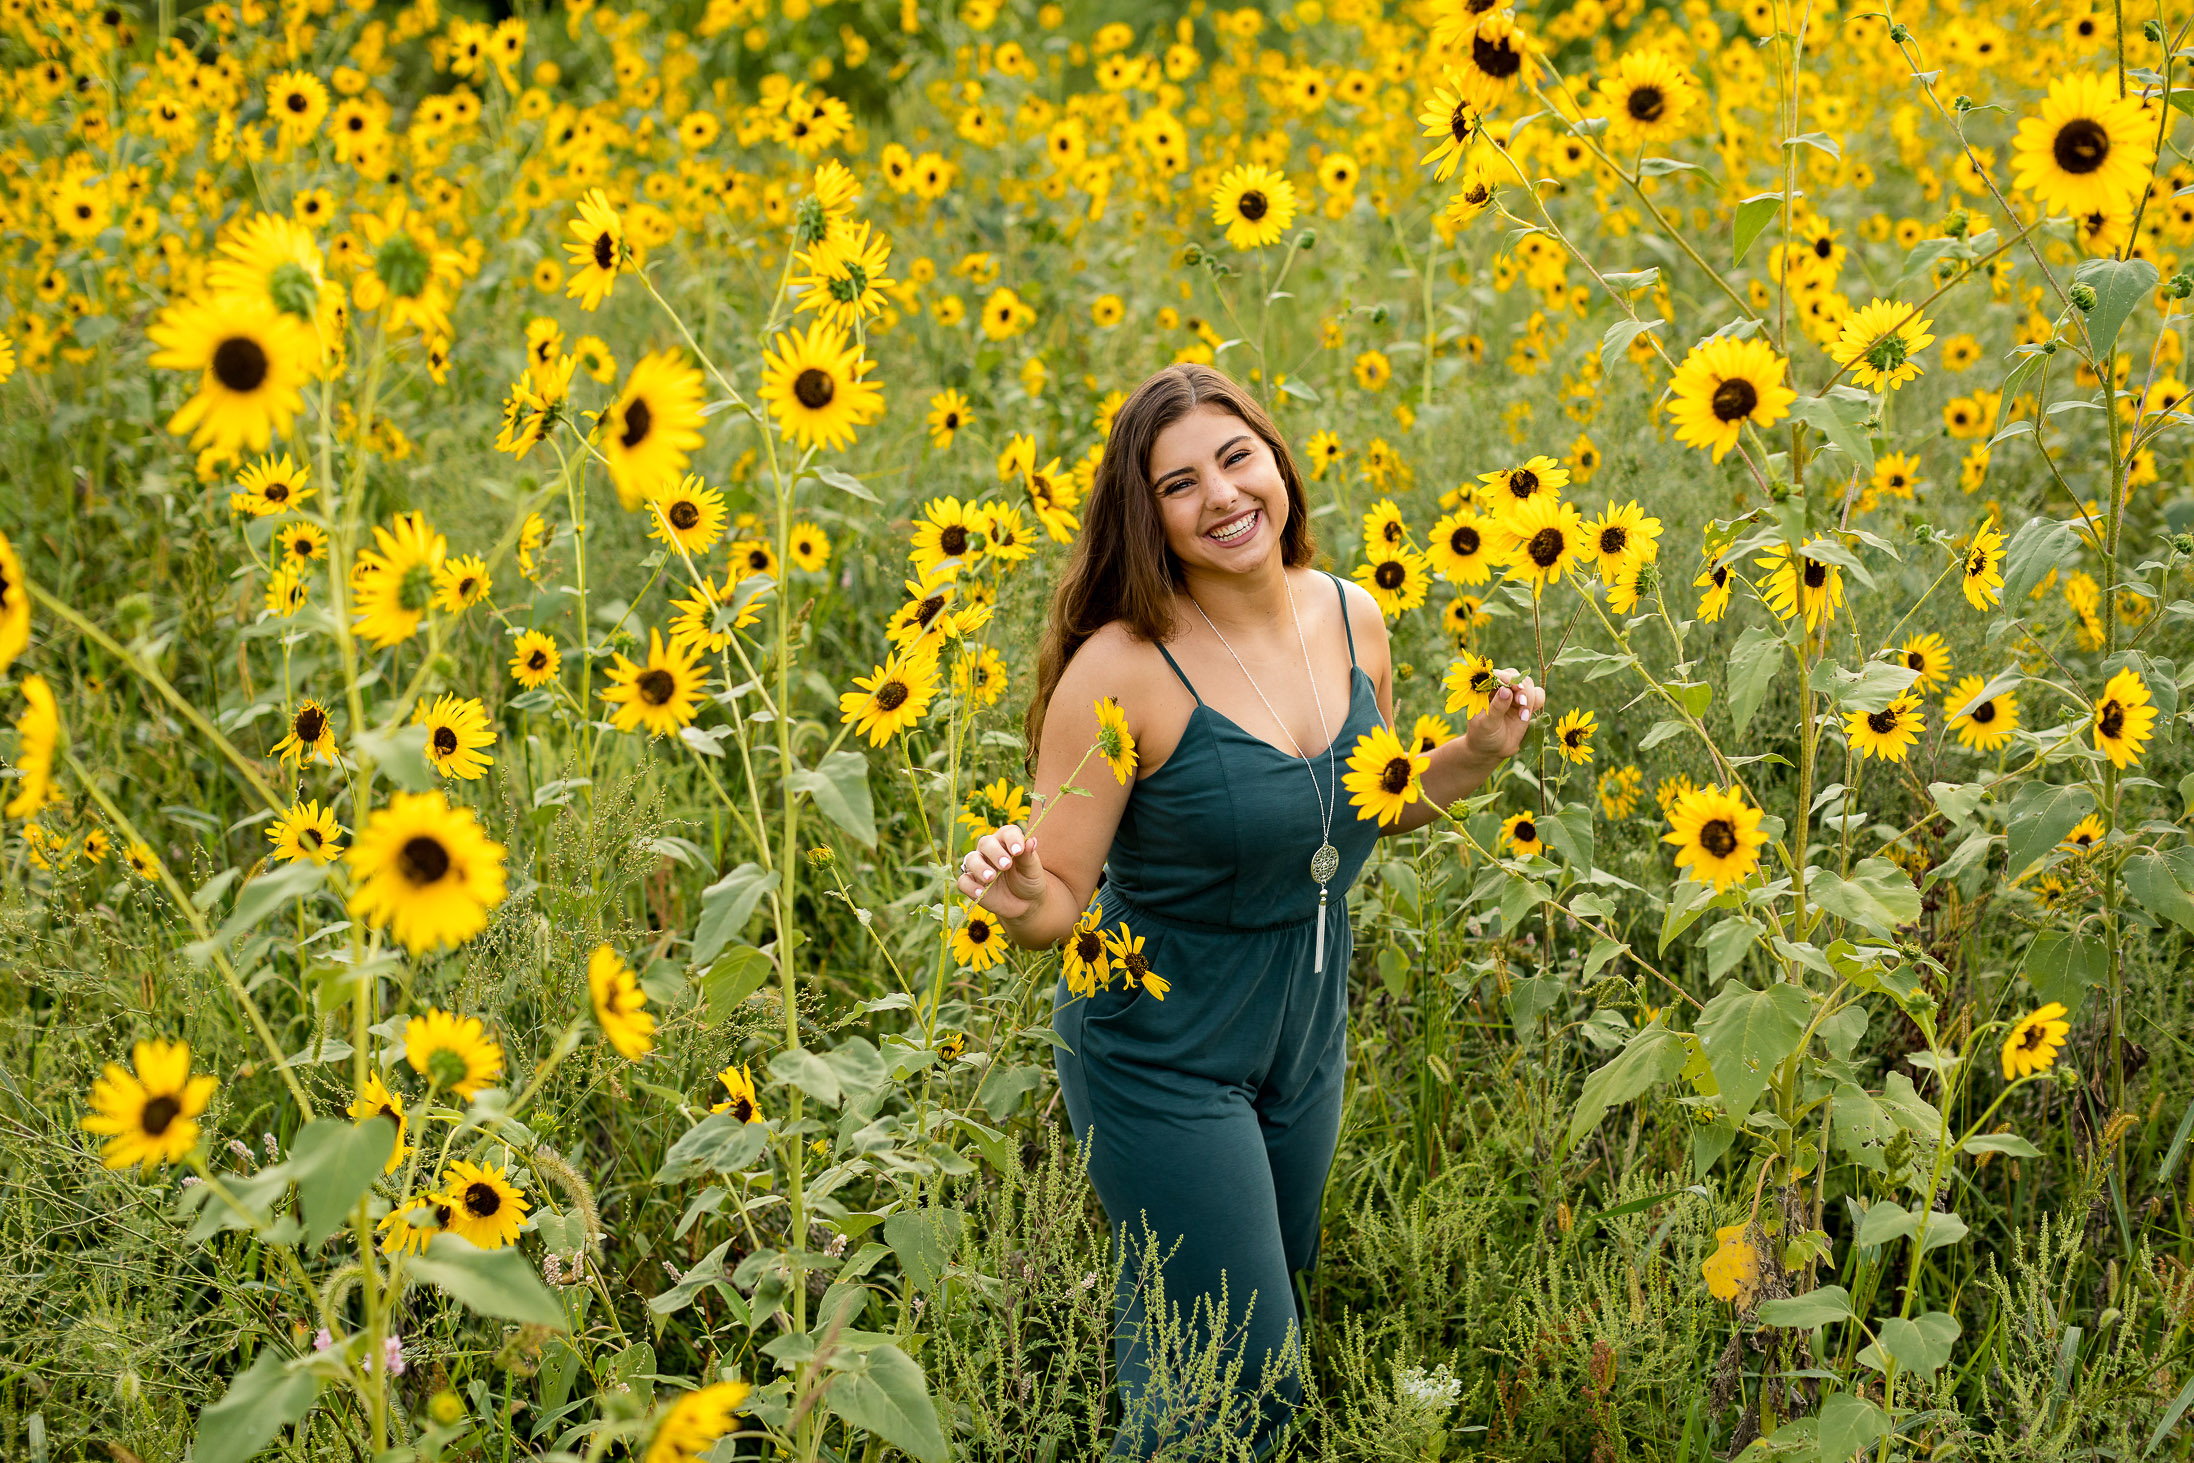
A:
[1325,810]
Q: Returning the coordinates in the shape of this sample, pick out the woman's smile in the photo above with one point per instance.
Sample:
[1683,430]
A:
[1233,530]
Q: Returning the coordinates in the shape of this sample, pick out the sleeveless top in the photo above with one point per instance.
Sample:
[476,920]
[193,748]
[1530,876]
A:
[1222,834]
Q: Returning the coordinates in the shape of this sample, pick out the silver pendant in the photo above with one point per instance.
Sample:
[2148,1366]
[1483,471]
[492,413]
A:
[1325,863]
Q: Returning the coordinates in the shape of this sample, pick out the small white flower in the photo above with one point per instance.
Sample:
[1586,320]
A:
[1439,1388]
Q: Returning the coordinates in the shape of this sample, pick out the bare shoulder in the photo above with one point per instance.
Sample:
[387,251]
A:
[1366,624]
[1117,662]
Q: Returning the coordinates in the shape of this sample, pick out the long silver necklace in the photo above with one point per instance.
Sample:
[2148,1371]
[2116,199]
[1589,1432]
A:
[1326,862]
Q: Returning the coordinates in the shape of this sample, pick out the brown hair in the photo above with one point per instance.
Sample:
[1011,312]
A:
[1121,568]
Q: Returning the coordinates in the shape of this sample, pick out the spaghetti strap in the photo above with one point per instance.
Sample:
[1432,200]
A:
[1179,672]
[1342,591]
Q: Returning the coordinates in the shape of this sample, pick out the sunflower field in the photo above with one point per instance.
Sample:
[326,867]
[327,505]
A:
[522,533]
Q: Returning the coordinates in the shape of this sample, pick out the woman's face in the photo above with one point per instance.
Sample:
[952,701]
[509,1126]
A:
[1220,493]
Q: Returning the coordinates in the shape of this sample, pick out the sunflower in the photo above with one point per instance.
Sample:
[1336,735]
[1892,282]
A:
[1449,116]
[1817,587]
[270,485]
[598,250]
[536,403]
[1879,344]
[705,622]
[1470,683]
[740,1097]
[1927,655]
[891,698]
[2088,148]
[844,275]
[690,515]
[1383,776]
[1981,725]
[1115,743]
[929,616]
[1085,959]
[2123,722]
[1649,99]
[647,432]
[1888,733]
[461,583]
[1717,836]
[1512,489]
[412,1225]
[310,739]
[2035,1041]
[38,737]
[979,678]
[812,382]
[1622,537]
[1385,527]
[1573,736]
[1520,833]
[1428,733]
[1127,956]
[1497,59]
[1541,540]
[454,1053]
[14,605]
[1464,613]
[392,585]
[1719,584]
[141,860]
[1722,385]
[535,660]
[425,871]
[810,548]
[457,730]
[979,942]
[252,360]
[1398,579]
[484,1207]
[2085,834]
[1254,204]
[149,1116]
[376,1101]
[662,695]
[1981,573]
[948,413]
[1619,790]
[692,1425]
[98,843]
[620,1006]
[948,532]
[302,543]
[306,831]
[1461,547]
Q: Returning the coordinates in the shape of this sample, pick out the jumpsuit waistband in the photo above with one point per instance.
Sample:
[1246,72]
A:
[1113,898]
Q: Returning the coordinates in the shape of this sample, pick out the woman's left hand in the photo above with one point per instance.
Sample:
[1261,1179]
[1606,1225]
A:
[1499,730]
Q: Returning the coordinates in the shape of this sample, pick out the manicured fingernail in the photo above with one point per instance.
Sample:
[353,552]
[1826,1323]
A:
[989,874]
[1005,863]
[1016,850]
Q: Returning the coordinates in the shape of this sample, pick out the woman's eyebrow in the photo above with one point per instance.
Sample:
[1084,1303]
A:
[1228,445]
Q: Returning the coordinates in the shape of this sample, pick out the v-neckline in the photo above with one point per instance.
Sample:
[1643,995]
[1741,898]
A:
[1355,673]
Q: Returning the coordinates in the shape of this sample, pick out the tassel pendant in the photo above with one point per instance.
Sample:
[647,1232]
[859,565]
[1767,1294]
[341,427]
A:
[1318,964]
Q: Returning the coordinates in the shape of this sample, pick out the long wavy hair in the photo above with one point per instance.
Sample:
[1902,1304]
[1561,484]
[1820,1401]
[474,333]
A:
[1121,568]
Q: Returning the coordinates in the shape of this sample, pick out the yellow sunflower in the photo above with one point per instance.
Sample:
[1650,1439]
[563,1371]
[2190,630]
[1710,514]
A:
[1722,385]
[1115,743]
[2124,720]
[1717,836]
[1520,834]
[1621,538]
[1888,733]
[306,831]
[1815,587]
[741,1099]
[690,515]
[302,543]
[1128,958]
[1541,540]
[948,532]
[1383,776]
[978,942]
[457,731]
[2035,1041]
[535,660]
[310,738]
[1496,60]
[1448,115]
[812,383]
[1720,584]
[1880,343]
[598,250]
[692,1425]
[425,871]
[1399,579]
[1930,657]
[1254,204]
[1086,958]
[1649,99]
[461,582]
[454,1053]
[484,1207]
[620,1006]
[2087,149]
[892,698]
[1461,547]
[1619,790]
[1428,733]
[269,486]
[392,585]
[375,1100]
[149,1116]
[38,738]
[810,548]
[1470,683]
[1510,490]
[662,694]
[1981,573]
[648,431]
[1573,736]
[252,363]
[14,605]
[948,413]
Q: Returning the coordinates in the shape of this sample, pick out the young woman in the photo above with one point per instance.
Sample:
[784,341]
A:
[1209,1095]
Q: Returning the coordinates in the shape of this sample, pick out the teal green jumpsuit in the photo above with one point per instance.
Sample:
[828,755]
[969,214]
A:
[1212,1115]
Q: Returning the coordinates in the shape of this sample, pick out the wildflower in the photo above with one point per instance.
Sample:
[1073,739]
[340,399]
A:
[2124,719]
[812,383]
[978,942]
[1429,733]
[948,532]
[454,1053]
[411,1226]
[740,1100]
[1087,958]
[891,698]
[2087,148]
[392,584]
[14,605]
[1520,834]
[1982,568]
[269,486]
[620,1006]
[535,660]
[1619,790]
[1879,344]
[1541,540]
[1512,489]
[598,250]
[1128,958]
[987,809]
[692,1425]
[1573,735]
[306,831]
[1115,743]
[1717,836]
[425,871]
[1815,587]
[1461,547]
[149,1116]
[1621,537]
[1470,682]
[689,515]
[1721,386]
[1648,99]
[1927,655]
[37,739]
[457,731]
[1254,205]
[375,1100]
[1398,579]
[1383,776]
[252,360]
[1888,733]
[485,1207]
[647,432]
[1719,585]
[948,413]
[661,694]
[1984,725]
[1449,116]
[2035,1041]
[810,548]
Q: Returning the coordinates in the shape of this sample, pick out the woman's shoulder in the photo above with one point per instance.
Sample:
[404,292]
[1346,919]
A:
[1364,616]
[1115,649]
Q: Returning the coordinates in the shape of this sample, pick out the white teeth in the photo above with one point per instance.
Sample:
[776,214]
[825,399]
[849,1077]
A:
[1233,531]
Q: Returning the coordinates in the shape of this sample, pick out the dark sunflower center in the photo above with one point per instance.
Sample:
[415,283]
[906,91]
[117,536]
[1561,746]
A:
[240,364]
[1574,737]
[1137,966]
[953,540]
[1816,574]
[742,1109]
[1614,539]
[1390,575]
[2082,145]
[1883,722]
[159,1113]
[1545,547]
[445,741]
[423,860]
[1718,837]
[1459,123]
[309,725]
[1917,661]
[1464,540]
[1496,59]
[2034,1038]
[978,931]
[1647,103]
[639,421]
[1396,774]
[892,695]
[927,610]
[1253,205]
[2111,720]
[1734,400]
[1523,482]
[537,661]
[683,515]
[275,492]
[1982,714]
[1526,832]
[1824,247]
[309,837]
[297,101]
[814,388]
[482,1200]
[656,686]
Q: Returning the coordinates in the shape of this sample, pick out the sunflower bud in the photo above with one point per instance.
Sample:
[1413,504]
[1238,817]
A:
[1306,240]
[1191,255]
[2180,285]
[2083,296]
[1961,104]
[820,857]
[1957,223]
[1649,579]
[2152,32]
[1900,35]
[2183,542]
[1403,670]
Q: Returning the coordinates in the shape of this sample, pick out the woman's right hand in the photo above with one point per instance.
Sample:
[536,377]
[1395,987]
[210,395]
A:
[1003,874]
